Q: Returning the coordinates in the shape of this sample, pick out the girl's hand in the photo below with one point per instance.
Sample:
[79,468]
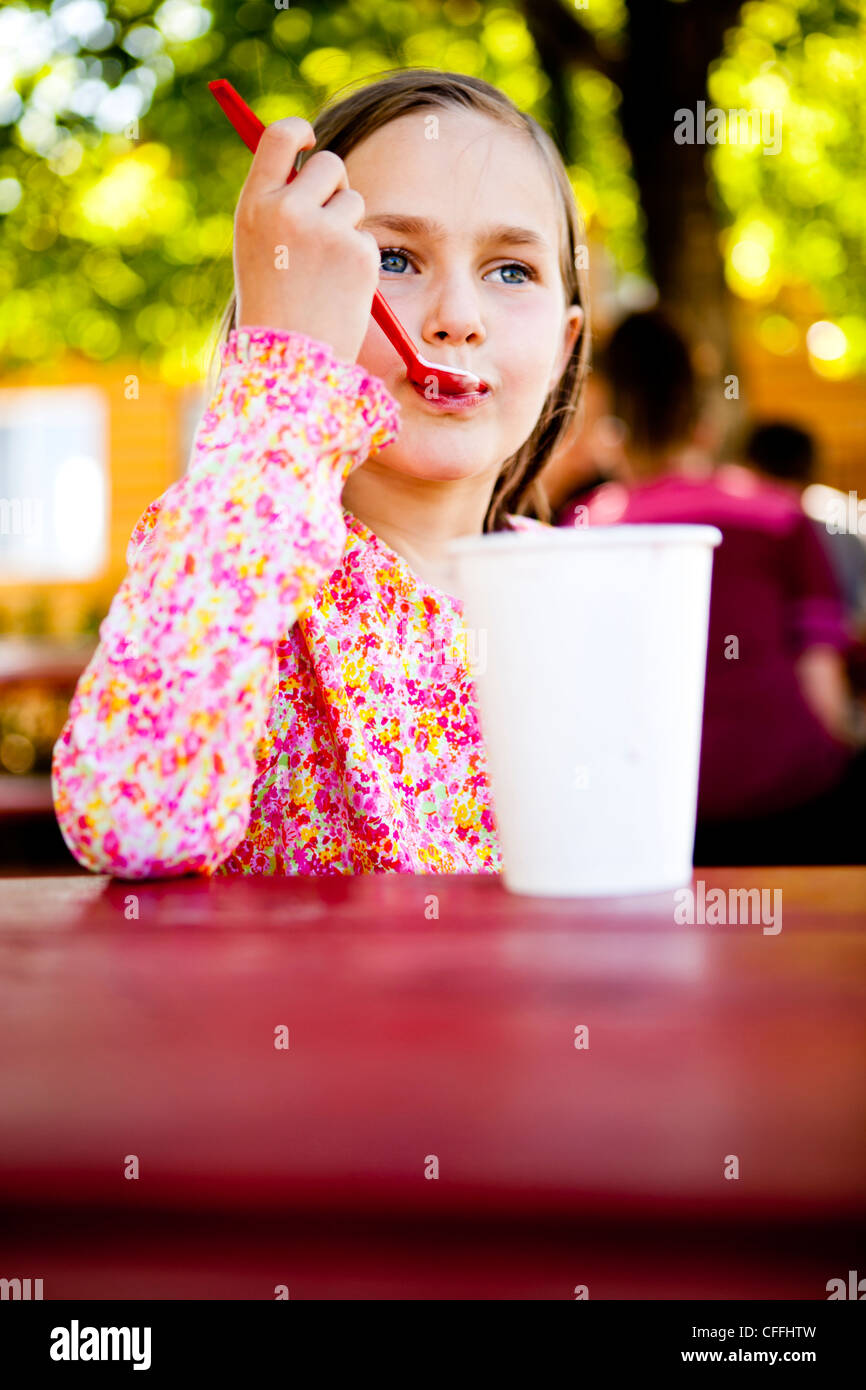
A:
[300,262]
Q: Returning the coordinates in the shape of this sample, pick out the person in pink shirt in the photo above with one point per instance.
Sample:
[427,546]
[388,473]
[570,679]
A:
[283,682]
[782,771]
[783,452]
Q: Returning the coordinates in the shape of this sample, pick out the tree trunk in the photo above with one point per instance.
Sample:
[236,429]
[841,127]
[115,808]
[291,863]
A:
[662,70]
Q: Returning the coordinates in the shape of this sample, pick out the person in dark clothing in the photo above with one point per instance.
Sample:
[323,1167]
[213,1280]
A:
[786,453]
[782,775]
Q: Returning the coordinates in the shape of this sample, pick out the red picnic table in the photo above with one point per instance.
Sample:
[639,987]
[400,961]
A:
[401,1086]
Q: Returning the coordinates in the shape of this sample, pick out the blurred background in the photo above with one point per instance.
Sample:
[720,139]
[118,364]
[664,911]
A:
[118,180]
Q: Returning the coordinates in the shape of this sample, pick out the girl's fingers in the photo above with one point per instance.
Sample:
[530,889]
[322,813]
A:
[323,176]
[348,207]
[275,156]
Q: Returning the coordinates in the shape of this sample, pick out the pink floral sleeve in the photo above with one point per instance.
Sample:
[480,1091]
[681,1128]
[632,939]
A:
[153,771]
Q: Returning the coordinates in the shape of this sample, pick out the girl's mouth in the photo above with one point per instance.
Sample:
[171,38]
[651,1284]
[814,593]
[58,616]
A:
[450,404]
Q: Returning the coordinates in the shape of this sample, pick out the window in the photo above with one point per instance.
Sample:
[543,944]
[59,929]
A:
[54,486]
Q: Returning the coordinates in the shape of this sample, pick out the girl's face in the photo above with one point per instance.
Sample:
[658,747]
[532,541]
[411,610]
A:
[469,292]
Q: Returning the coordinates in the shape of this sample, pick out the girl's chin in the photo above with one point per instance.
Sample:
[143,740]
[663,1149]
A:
[436,469]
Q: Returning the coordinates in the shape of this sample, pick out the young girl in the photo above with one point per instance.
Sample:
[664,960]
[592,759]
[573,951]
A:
[282,683]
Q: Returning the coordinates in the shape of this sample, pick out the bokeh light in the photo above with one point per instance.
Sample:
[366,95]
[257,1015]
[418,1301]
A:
[807,62]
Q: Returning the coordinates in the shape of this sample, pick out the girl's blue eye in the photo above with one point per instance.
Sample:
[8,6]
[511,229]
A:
[391,252]
[515,265]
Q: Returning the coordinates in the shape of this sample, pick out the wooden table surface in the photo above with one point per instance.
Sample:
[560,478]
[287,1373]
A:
[430,1017]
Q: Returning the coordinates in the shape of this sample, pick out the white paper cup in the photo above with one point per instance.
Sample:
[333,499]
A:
[590,653]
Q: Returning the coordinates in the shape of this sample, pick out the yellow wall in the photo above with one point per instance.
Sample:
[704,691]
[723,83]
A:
[144,450]
[786,387]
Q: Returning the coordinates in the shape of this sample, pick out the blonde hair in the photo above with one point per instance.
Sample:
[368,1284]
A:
[347,120]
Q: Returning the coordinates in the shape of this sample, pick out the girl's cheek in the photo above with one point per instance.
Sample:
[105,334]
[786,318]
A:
[533,323]
[376,355]
[522,336]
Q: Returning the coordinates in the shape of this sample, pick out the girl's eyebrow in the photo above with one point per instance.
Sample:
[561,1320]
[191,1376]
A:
[423,226]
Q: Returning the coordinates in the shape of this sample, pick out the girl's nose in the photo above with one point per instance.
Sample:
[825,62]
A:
[453,313]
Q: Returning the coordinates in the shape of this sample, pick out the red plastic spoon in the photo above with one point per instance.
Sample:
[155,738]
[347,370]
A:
[450,381]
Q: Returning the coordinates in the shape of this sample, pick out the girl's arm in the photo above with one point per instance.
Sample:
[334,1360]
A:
[153,771]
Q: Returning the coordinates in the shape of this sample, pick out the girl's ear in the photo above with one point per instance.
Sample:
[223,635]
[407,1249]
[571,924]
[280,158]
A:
[573,325]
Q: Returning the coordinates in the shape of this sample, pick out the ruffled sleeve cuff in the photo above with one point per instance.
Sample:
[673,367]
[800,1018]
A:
[339,405]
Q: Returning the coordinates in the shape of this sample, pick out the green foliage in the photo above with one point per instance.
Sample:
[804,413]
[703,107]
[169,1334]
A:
[796,219]
[119,174]
[602,176]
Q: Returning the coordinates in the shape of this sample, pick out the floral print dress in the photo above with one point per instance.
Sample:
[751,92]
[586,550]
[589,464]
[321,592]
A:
[274,690]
